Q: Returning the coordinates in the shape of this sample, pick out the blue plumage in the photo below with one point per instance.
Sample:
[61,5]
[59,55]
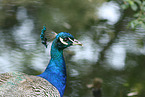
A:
[51,83]
[55,72]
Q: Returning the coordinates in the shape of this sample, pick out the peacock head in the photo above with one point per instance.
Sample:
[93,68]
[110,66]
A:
[61,41]
[64,40]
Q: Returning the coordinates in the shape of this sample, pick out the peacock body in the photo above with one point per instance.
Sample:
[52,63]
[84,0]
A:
[51,83]
[18,84]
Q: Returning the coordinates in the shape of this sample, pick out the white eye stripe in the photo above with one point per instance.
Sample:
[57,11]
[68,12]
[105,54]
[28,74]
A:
[70,39]
[75,42]
[61,40]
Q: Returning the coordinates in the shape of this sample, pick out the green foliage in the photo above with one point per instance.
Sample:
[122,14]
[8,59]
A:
[67,15]
[59,15]
[138,6]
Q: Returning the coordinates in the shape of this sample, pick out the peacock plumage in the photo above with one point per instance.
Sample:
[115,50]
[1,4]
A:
[51,83]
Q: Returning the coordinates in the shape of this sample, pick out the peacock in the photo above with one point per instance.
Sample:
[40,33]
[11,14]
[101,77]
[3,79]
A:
[51,83]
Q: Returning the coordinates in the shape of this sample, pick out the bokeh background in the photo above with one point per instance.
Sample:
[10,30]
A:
[112,33]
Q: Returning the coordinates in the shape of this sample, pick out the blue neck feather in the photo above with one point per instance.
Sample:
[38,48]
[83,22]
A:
[55,72]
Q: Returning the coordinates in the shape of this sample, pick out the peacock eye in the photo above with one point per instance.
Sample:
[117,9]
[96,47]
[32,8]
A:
[65,39]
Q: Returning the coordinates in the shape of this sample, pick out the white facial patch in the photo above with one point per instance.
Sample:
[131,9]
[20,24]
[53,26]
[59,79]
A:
[75,42]
[61,40]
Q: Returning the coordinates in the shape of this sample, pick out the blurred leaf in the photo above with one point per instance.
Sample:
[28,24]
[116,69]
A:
[137,15]
[143,25]
[130,2]
[132,25]
[138,1]
[143,3]
[124,6]
[137,23]
[140,43]
[134,6]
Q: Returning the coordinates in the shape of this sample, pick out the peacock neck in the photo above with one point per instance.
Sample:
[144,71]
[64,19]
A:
[55,72]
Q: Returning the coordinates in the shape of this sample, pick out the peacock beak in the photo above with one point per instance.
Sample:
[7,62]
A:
[76,42]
